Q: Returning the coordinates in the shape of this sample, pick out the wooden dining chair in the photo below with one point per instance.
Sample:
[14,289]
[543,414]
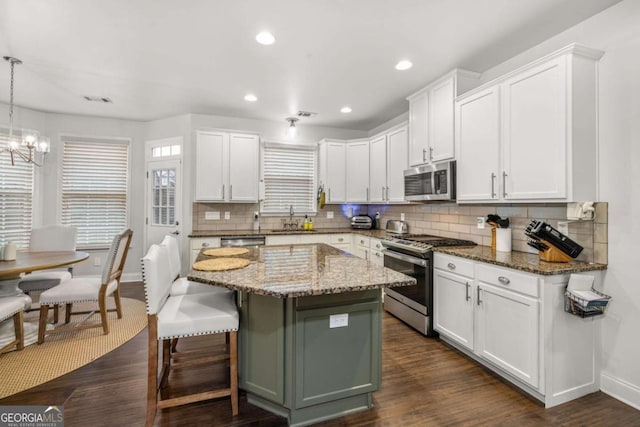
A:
[13,307]
[181,316]
[81,289]
[47,239]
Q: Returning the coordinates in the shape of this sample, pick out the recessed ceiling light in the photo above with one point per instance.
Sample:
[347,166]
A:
[404,65]
[265,38]
[250,97]
[346,109]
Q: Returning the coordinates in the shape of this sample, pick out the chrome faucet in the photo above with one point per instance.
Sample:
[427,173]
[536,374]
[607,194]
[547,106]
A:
[291,225]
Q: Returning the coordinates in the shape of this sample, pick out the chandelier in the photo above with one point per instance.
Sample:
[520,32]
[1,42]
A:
[24,143]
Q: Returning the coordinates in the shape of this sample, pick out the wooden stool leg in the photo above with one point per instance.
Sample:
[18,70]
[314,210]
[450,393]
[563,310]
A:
[18,326]
[174,344]
[152,372]
[166,362]
[42,324]
[55,314]
[67,312]
[233,368]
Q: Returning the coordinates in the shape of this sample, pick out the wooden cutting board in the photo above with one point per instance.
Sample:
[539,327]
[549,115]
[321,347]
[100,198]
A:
[221,264]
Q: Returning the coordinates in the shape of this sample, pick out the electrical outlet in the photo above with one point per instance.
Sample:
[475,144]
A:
[330,215]
[227,215]
[480,221]
[401,217]
[97,262]
[350,212]
[212,215]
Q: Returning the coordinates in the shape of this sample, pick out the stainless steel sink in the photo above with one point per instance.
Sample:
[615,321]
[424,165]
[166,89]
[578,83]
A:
[291,231]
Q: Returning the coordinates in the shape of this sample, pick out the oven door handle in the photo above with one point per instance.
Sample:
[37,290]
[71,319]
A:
[408,258]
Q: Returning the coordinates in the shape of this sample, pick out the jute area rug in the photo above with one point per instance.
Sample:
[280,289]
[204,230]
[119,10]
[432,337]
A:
[63,352]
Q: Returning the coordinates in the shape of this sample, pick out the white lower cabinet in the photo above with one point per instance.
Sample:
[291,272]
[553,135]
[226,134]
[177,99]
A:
[375,253]
[515,324]
[198,243]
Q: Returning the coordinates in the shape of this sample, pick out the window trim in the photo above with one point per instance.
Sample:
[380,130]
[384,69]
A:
[64,137]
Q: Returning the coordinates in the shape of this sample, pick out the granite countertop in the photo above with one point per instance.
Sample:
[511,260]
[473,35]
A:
[378,234]
[288,271]
[520,260]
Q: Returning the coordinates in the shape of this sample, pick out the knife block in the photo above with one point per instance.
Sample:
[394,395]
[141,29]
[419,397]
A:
[553,254]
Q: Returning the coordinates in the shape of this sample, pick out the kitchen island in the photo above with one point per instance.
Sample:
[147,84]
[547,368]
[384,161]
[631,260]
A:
[310,329]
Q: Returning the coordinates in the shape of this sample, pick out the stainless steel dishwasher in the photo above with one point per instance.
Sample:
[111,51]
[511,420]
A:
[242,241]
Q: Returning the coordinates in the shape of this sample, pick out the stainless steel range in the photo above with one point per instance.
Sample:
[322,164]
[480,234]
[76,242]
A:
[412,255]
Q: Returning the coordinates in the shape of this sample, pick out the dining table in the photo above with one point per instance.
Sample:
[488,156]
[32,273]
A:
[11,272]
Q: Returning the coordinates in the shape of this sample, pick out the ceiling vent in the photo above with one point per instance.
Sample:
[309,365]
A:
[306,114]
[102,99]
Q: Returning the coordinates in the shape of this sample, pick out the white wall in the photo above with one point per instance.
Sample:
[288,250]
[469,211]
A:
[617,32]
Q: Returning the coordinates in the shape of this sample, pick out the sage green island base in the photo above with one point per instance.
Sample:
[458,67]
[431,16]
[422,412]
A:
[311,358]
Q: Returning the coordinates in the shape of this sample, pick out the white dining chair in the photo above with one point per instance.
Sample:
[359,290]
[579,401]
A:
[182,316]
[81,289]
[13,307]
[47,239]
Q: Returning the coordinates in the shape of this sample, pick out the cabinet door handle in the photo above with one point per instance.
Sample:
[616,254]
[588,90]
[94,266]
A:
[467,287]
[424,154]
[504,184]
[340,239]
[493,183]
[383,198]
[504,280]
[378,254]
[205,245]
[362,242]
[367,194]
[387,194]
[230,192]
[430,153]
[478,295]
[329,193]
[451,265]
[222,191]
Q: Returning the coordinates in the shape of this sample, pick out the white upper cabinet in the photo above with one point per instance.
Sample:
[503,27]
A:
[210,166]
[227,167]
[332,170]
[531,135]
[388,161]
[244,155]
[478,126]
[357,169]
[431,118]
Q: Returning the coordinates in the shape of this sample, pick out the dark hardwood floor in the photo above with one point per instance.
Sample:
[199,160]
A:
[424,383]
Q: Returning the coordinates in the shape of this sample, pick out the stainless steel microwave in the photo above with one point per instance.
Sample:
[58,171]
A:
[430,182]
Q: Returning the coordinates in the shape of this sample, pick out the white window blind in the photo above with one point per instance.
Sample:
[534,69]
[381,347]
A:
[289,179]
[94,190]
[16,201]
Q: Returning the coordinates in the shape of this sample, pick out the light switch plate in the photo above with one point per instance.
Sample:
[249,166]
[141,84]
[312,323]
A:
[338,320]
[480,221]
[330,215]
[227,215]
[212,215]
[401,217]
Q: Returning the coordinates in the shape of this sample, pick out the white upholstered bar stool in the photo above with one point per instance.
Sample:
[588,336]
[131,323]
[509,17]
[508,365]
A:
[13,307]
[181,316]
[182,285]
[47,239]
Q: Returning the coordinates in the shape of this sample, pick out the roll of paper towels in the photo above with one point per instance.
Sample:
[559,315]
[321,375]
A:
[503,239]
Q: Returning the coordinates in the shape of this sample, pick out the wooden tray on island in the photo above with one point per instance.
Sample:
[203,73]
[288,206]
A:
[221,264]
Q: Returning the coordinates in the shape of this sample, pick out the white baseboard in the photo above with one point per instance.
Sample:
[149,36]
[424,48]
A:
[620,389]
[131,277]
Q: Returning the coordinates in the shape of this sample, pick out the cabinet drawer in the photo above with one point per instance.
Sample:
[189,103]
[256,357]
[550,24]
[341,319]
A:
[204,242]
[453,264]
[508,279]
[376,244]
[362,241]
[340,238]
